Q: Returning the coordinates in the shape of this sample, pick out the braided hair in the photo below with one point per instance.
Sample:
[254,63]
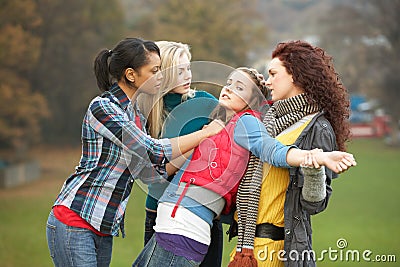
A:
[257,100]
[257,78]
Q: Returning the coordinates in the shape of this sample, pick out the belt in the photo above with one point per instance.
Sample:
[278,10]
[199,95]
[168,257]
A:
[267,230]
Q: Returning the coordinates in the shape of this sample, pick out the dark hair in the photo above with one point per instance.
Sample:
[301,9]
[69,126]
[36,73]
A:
[313,71]
[110,65]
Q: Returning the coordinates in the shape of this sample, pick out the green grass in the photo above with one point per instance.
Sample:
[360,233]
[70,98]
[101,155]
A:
[363,210]
[364,206]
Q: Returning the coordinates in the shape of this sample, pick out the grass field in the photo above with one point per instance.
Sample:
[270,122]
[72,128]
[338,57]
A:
[363,212]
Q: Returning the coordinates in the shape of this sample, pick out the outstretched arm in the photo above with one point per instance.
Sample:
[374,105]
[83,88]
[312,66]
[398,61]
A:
[251,134]
[337,161]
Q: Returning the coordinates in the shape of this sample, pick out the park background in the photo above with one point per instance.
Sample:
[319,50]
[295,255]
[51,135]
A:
[47,49]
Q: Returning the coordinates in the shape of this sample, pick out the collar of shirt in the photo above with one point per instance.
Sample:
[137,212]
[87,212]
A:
[126,104]
[120,95]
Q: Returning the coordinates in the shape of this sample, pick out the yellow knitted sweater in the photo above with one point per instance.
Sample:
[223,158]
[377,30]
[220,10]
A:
[272,200]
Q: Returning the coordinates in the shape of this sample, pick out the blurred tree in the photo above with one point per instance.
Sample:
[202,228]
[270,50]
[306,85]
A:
[384,27]
[342,32]
[365,36]
[227,32]
[21,109]
[71,34]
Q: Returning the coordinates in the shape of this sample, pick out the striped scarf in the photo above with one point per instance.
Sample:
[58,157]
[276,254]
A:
[280,116]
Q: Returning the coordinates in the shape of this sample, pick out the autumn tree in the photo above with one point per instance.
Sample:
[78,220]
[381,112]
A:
[364,36]
[382,20]
[21,108]
[71,34]
[227,32]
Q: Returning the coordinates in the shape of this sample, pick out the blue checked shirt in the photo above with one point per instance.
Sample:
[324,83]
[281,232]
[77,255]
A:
[114,152]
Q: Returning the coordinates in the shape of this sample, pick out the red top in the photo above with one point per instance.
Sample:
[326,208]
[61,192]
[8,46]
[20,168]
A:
[71,218]
[218,163]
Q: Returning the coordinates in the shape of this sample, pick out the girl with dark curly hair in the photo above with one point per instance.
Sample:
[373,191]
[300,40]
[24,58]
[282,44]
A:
[206,186]
[310,110]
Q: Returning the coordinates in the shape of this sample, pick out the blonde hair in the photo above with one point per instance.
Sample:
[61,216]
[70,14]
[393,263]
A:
[152,106]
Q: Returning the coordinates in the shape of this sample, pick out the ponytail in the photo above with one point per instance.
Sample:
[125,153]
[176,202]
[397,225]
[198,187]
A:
[110,65]
[101,70]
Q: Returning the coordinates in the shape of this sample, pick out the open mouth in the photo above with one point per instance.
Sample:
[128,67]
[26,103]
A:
[225,96]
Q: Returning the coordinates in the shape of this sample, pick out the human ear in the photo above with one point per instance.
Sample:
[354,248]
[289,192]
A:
[130,74]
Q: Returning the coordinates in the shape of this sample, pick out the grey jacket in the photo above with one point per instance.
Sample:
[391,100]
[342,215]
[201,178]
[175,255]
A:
[318,134]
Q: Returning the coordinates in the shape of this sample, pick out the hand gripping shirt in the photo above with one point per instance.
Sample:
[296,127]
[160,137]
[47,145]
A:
[114,152]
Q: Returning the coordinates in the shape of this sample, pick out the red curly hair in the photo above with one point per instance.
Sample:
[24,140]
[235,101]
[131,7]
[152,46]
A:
[312,70]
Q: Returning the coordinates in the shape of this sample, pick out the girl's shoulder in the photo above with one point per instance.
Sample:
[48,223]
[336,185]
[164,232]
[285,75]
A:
[250,112]
[248,118]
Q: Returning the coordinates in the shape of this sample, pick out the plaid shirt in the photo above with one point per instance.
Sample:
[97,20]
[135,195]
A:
[114,152]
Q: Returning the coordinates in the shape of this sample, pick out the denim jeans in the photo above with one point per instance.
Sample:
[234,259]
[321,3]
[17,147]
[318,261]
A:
[149,223]
[213,257]
[77,247]
[154,255]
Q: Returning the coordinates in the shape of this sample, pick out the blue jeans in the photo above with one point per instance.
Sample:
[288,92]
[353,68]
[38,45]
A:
[149,223]
[154,255]
[77,247]
[213,257]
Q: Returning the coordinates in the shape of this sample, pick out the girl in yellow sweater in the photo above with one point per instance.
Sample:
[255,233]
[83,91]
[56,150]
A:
[310,110]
